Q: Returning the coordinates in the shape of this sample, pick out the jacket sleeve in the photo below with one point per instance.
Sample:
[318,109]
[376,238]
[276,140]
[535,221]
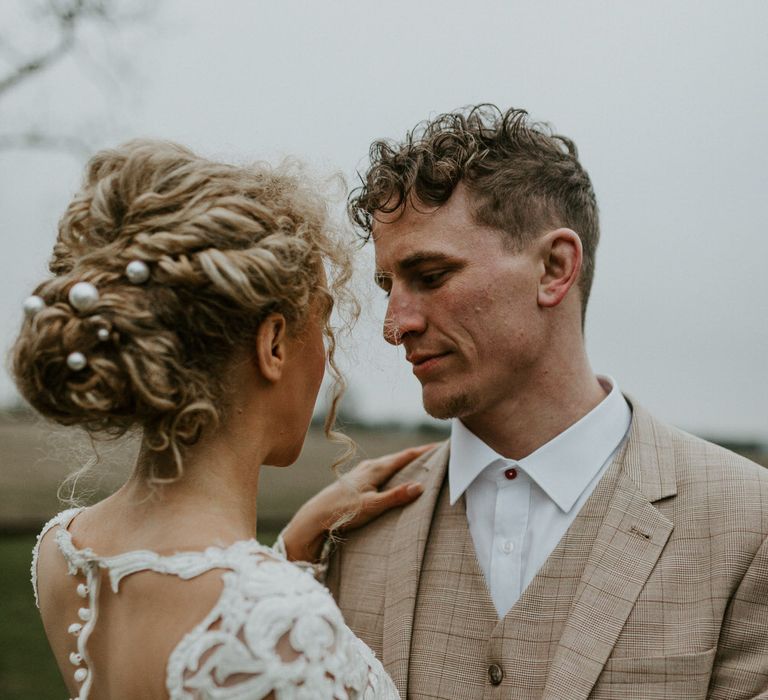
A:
[741,665]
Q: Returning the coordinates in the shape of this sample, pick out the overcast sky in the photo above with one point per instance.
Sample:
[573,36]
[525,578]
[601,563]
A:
[667,101]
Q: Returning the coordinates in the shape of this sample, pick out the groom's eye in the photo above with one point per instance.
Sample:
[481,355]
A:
[433,278]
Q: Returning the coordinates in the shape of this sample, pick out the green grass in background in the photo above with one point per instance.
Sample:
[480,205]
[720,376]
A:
[27,668]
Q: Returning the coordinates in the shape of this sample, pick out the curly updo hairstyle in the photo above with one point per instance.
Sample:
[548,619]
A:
[225,246]
[522,177]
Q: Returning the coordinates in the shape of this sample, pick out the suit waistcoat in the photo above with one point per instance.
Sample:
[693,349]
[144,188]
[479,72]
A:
[459,644]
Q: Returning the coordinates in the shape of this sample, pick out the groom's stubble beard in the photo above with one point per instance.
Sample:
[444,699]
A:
[455,406]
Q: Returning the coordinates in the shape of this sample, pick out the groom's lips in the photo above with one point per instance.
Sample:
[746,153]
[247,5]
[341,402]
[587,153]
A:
[425,363]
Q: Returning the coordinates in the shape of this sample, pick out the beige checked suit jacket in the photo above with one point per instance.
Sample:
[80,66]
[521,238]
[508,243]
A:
[672,599]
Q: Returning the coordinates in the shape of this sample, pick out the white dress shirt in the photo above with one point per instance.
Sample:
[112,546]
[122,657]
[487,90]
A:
[519,510]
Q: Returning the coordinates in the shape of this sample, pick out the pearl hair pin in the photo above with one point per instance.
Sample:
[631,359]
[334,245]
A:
[76,361]
[33,305]
[83,296]
[137,272]
[103,334]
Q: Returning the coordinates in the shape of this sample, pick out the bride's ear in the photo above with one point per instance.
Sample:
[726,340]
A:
[271,347]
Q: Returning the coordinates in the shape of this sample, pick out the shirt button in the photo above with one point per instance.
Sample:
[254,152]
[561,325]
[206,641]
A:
[495,674]
[507,547]
[510,473]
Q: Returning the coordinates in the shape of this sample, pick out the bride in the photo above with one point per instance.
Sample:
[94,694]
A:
[190,299]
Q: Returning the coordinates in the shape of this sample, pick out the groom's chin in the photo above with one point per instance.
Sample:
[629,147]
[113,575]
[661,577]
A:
[450,406]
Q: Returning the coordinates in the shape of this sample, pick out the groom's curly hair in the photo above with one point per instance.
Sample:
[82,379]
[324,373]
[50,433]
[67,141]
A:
[523,178]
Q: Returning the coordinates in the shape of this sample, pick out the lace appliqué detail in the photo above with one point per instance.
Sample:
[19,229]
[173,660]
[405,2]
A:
[275,630]
[62,519]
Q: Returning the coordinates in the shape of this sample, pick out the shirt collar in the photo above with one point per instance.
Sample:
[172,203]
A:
[564,466]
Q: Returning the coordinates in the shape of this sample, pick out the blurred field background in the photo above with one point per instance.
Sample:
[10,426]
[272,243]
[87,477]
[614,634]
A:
[35,458]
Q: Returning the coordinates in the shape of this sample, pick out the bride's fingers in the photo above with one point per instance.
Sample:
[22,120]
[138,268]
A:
[382,469]
[375,503]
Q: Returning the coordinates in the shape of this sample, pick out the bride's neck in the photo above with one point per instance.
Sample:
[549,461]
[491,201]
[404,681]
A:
[215,497]
[216,492]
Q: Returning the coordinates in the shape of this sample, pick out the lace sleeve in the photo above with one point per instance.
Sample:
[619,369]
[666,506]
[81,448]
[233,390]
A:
[275,632]
[63,519]
[318,569]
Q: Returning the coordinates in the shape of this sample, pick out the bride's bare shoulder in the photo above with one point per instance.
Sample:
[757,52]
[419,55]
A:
[138,627]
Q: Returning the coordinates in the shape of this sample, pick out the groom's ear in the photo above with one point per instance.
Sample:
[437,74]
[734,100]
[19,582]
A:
[271,347]
[562,255]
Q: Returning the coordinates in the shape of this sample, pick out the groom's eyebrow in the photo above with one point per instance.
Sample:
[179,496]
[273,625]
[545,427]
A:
[411,262]
[422,257]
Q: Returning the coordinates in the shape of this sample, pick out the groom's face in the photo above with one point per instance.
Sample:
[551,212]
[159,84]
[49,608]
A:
[461,302]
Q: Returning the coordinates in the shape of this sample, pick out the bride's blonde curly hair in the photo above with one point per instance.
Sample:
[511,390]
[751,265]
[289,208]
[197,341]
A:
[225,245]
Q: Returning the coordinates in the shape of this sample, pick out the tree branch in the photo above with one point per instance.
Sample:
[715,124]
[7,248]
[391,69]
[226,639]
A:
[36,139]
[40,62]
[68,15]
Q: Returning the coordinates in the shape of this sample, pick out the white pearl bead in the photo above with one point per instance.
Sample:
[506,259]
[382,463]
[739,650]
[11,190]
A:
[81,674]
[74,628]
[83,296]
[76,361]
[84,614]
[82,590]
[102,334]
[75,659]
[137,272]
[33,305]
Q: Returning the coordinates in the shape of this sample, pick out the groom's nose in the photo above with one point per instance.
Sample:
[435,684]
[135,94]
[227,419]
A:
[403,318]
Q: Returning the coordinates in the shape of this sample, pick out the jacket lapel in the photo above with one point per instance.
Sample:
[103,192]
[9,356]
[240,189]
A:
[630,540]
[405,558]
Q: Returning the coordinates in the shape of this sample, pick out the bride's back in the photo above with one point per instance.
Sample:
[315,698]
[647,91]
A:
[228,622]
[135,629]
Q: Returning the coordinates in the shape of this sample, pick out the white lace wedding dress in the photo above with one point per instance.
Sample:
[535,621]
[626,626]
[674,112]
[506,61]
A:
[232,654]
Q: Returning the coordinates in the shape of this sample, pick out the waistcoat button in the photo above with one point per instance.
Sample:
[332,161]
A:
[495,674]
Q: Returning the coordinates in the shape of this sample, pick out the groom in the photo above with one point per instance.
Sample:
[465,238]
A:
[567,544]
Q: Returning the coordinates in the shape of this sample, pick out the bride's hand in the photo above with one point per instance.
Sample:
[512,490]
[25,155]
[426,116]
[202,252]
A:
[352,500]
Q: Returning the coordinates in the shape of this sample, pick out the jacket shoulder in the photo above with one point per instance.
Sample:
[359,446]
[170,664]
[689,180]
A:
[371,542]
[717,484]
[706,460]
